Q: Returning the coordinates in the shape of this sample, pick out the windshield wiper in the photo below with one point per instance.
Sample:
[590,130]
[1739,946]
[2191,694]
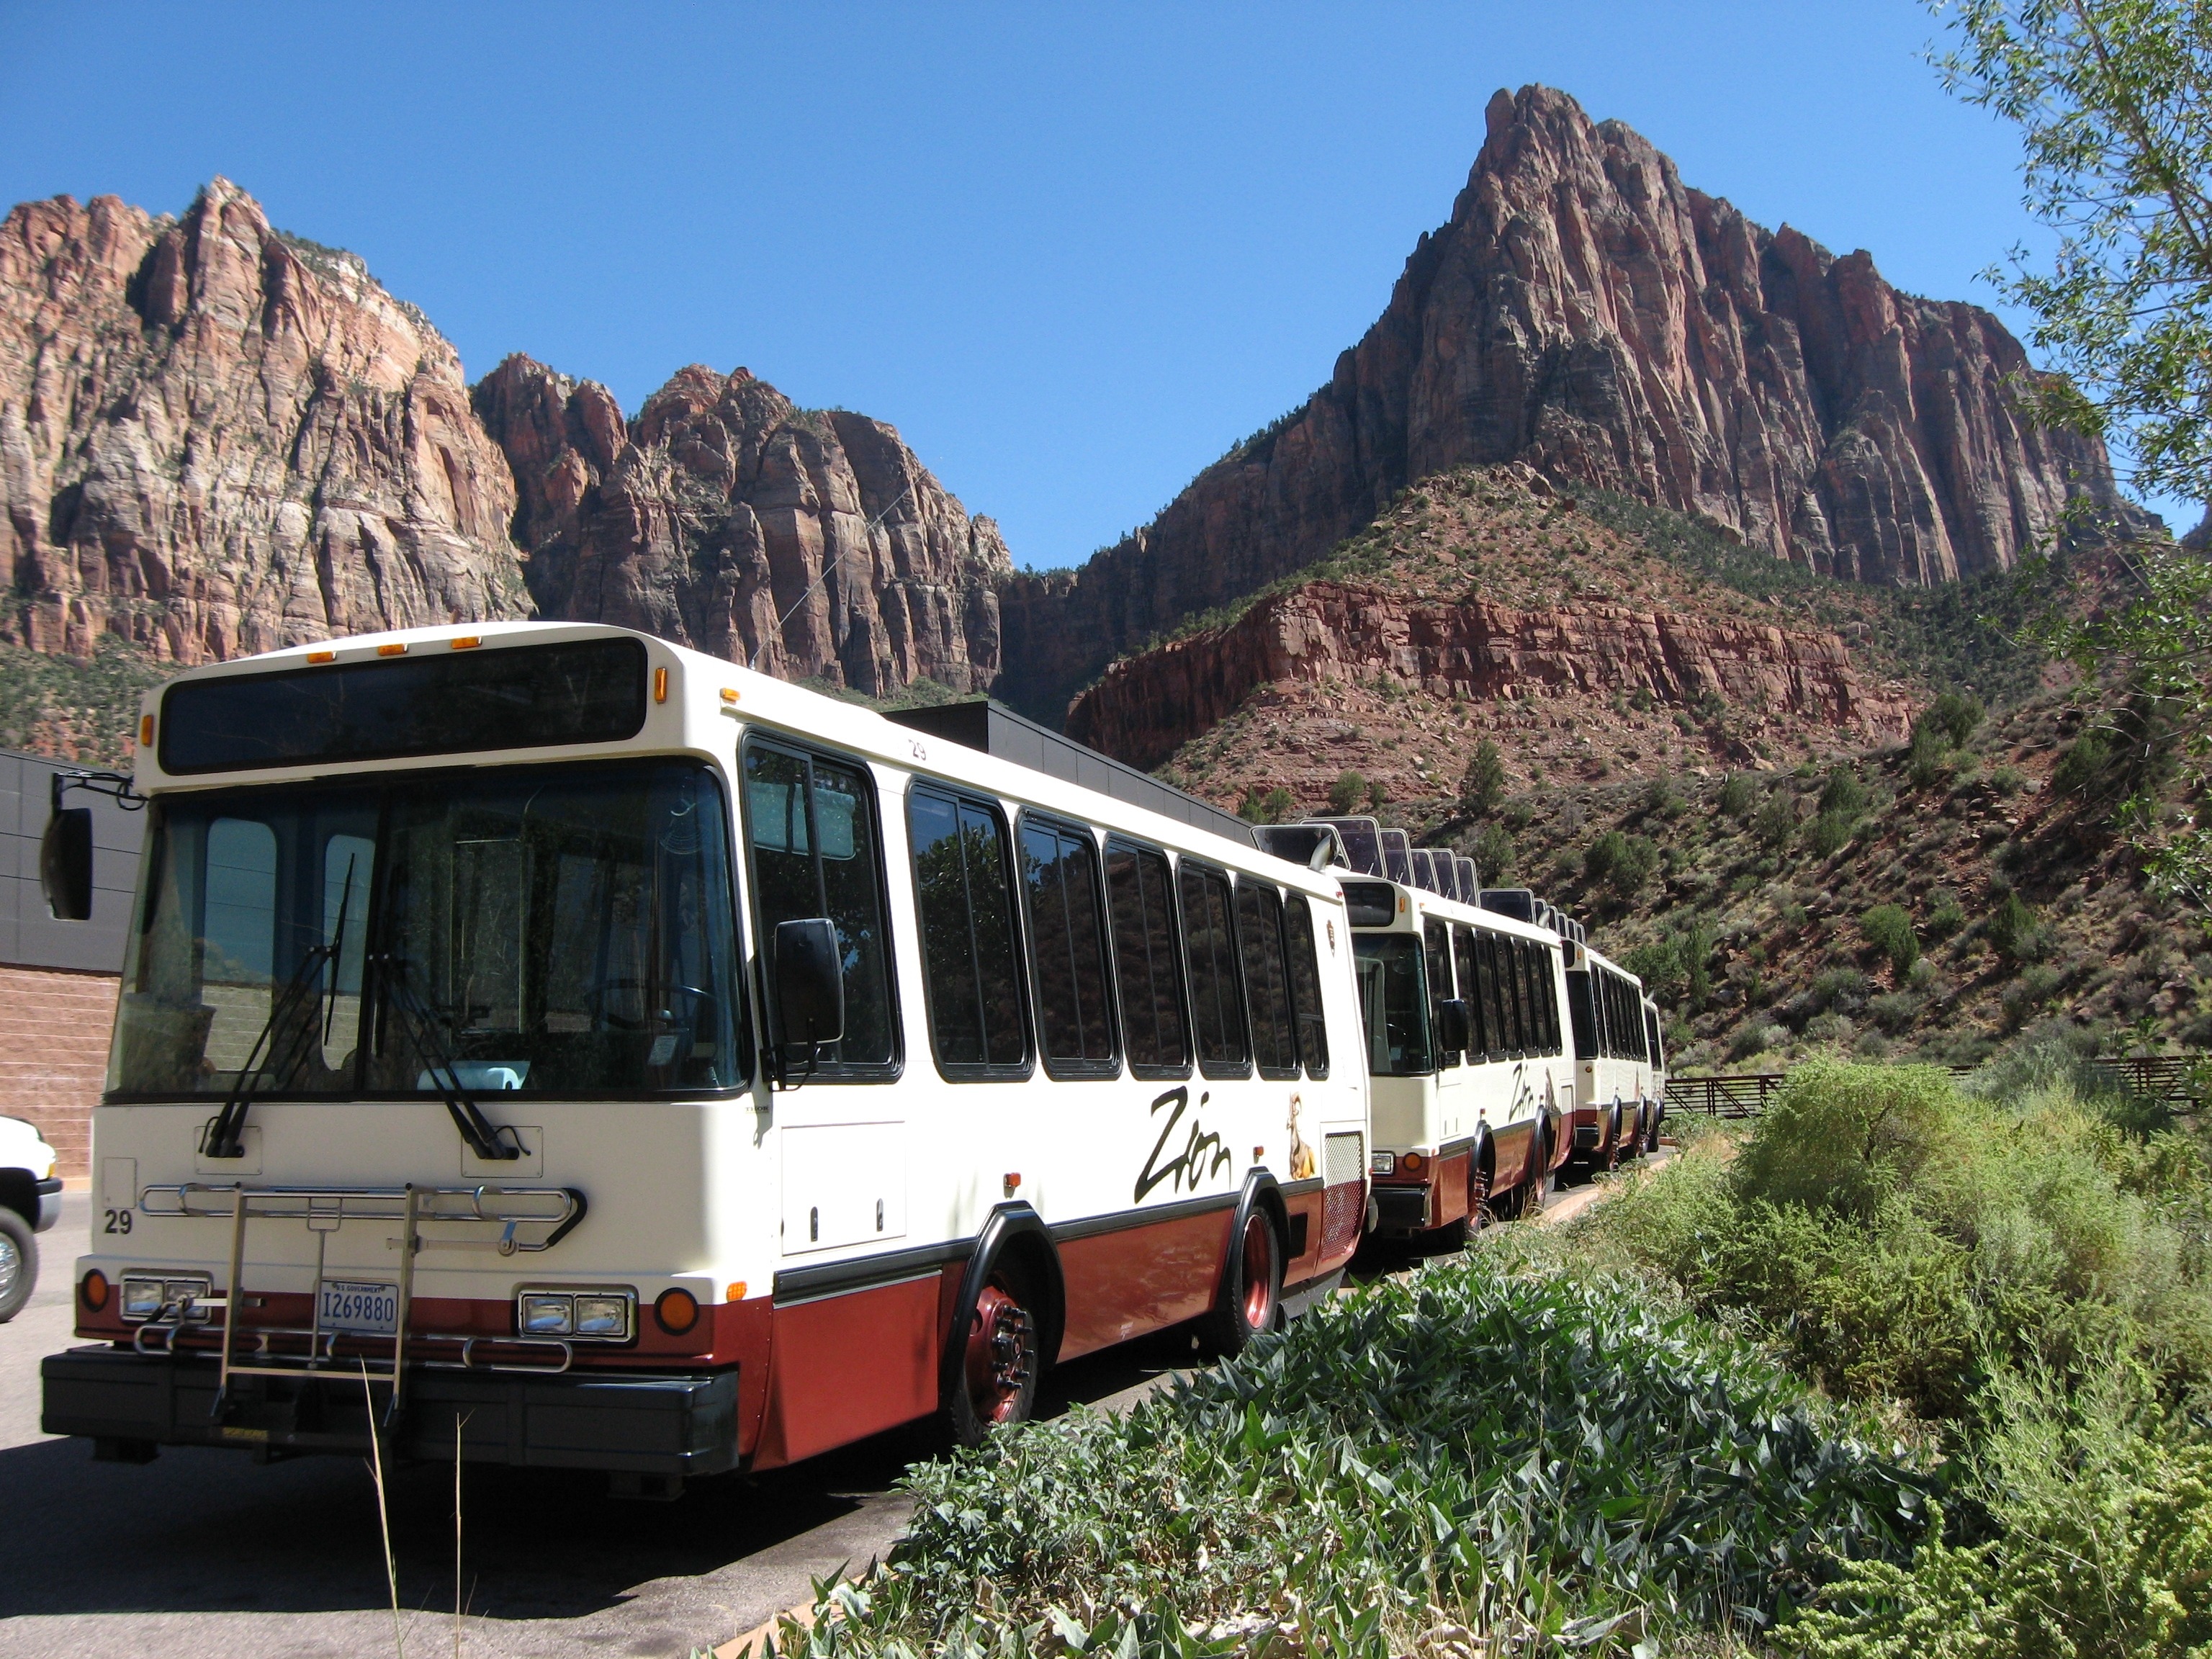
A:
[225,1130]
[481,1134]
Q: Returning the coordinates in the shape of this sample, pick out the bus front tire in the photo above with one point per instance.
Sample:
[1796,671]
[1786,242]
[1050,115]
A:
[1000,1360]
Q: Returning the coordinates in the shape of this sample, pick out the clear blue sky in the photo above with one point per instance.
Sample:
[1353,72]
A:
[1073,253]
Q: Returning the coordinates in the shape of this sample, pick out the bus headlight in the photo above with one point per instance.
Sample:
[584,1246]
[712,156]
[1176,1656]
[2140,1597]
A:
[145,1296]
[1383,1164]
[540,1313]
[588,1315]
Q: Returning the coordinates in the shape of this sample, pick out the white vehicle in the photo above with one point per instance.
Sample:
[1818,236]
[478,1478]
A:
[30,1203]
[1616,1104]
[635,1063]
[1472,1084]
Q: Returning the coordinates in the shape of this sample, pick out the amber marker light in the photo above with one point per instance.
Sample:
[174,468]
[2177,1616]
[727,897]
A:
[737,1291]
[95,1290]
[322,656]
[676,1311]
[145,731]
[1013,1179]
[661,685]
[1411,1161]
[397,648]
[729,694]
[465,642]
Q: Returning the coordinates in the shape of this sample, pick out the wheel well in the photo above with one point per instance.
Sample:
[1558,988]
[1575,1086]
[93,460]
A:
[20,1193]
[1029,1255]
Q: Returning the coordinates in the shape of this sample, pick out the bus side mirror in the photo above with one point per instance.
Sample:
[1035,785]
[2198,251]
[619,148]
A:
[66,863]
[1452,1018]
[810,984]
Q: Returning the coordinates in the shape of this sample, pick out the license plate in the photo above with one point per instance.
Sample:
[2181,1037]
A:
[359,1309]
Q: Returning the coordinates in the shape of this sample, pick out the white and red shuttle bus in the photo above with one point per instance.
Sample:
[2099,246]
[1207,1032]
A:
[1617,1093]
[549,1036]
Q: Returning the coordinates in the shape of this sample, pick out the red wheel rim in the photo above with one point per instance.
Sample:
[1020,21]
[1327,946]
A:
[1002,1355]
[1259,1279]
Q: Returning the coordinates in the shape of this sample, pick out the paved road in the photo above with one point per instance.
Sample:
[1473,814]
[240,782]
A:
[202,1553]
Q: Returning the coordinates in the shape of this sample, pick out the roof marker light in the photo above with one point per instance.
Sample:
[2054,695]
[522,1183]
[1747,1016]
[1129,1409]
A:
[464,643]
[322,656]
[661,685]
[397,648]
[729,694]
[145,731]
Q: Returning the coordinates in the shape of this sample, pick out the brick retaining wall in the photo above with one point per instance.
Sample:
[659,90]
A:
[54,1026]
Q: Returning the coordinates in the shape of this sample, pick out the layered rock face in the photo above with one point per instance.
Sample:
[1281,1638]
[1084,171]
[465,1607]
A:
[724,509]
[215,440]
[1585,312]
[1148,706]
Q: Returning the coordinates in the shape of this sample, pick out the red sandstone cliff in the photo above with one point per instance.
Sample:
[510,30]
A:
[214,440]
[716,511]
[1586,313]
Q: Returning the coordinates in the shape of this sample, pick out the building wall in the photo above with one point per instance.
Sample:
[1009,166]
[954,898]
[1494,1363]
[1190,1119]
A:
[54,1026]
[58,979]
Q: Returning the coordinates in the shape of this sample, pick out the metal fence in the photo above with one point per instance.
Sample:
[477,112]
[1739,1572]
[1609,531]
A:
[2177,1077]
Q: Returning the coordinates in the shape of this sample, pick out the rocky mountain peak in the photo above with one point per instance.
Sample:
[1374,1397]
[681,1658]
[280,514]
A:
[1585,312]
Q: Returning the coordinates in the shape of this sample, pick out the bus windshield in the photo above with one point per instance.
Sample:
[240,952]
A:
[1394,1004]
[558,930]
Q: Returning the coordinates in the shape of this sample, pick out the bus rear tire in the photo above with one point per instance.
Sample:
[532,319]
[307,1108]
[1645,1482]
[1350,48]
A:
[1001,1357]
[1251,1286]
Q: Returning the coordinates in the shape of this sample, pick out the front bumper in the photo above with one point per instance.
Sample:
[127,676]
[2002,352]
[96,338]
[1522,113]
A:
[50,1203]
[667,1425]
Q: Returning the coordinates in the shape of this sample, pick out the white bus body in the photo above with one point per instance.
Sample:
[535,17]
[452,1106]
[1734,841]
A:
[660,1263]
[1480,1121]
[1616,1104]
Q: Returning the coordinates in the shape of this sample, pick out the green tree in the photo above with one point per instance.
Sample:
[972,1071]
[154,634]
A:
[1735,800]
[1347,794]
[1494,854]
[1266,805]
[1483,785]
[1889,930]
[2113,102]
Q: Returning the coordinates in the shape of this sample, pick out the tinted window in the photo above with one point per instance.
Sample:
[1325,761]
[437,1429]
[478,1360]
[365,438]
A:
[1266,980]
[1305,985]
[1471,993]
[1524,996]
[1497,1004]
[964,891]
[811,824]
[442,702]
[1216,1001]
[1394,1004]
[1143,921]
[1582,1011]
[1436,941]
[1547,997]
[1067,950]
[1369,903]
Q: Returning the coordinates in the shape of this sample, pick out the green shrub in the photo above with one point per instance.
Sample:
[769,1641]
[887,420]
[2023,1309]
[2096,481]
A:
[2008,779]
[1735,796]
[2084,766]
[1894,1011]
[2013,930]
[1946,916]
[1829,834]
[1347,794]
[1601,855]
[1482,786]
[1266,805]
[1953,718]
[1844,1138]
[1632,867]
[1493,1443]
[1837,988]
[1776,821]
[1494,854]
[1843,796]
[1889,930]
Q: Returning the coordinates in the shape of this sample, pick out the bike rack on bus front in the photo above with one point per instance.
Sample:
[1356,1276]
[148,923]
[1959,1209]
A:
[324,1210]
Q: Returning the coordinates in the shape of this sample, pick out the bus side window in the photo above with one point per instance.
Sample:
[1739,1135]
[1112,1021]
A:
[1493,992]
[810,830]
[1266,981]
[1436,943]
[1479,1044]
[1143,919]
[1217,1000]
[1524,974]
[1305,986]
[1547,989]
[962,888]
[1067,950]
